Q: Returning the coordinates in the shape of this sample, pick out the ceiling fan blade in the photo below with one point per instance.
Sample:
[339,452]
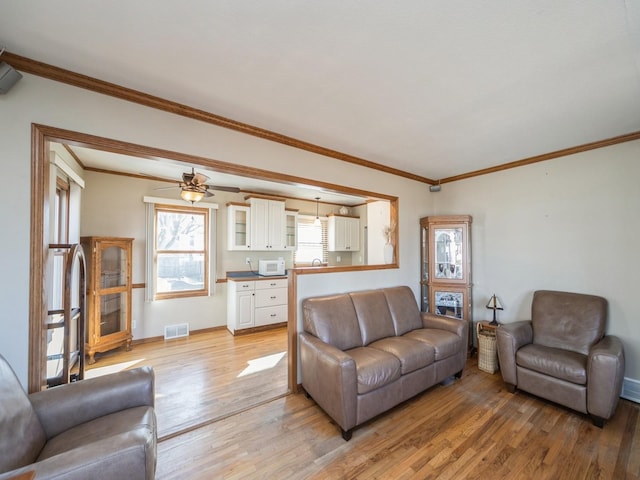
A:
[187,178]
[167,188]
[199,178]
[207,193]
[224,189]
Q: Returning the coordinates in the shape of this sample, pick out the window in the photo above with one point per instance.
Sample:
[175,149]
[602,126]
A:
[181,251]
[312,240]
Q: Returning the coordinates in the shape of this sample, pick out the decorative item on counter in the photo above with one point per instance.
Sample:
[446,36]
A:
[344,210]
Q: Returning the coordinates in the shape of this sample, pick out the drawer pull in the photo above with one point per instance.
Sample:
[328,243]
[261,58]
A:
[273,297]
[273,315]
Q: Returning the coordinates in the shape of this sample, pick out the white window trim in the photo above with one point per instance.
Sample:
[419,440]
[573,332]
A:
[150,277]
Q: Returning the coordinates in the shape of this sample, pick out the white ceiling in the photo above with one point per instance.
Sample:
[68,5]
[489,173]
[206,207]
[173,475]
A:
[171,171]
[435,88]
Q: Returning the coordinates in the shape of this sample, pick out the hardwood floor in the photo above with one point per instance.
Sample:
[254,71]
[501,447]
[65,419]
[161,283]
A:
[206,376]
[472,429]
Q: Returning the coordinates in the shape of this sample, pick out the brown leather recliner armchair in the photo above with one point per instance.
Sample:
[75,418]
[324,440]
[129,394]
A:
[563,355]
[101,428]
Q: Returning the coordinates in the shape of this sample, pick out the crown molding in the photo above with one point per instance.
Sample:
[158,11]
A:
[547,156]
[57,74]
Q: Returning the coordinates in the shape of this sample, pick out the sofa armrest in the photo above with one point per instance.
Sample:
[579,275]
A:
[130,455]
[509,338]
[66,406]
[329,377]
[605,373]
[454,325]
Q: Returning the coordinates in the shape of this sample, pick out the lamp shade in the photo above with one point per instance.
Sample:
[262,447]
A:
[494,303]
[191,195]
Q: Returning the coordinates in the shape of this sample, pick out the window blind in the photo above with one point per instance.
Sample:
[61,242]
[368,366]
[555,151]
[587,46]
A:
[312,240]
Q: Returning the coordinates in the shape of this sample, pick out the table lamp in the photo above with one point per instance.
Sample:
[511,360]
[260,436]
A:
[494,304]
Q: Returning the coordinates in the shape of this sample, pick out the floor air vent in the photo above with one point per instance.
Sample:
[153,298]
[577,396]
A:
[176,331]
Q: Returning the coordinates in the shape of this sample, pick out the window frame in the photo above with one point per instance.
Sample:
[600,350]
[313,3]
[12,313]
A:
[206,251]
[325,240]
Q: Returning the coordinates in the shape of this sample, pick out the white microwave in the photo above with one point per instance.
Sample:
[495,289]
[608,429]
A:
[268,268]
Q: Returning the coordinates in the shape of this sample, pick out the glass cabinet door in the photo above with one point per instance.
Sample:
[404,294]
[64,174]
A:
[449,254]
[291,228]
[113,266]
[238,227]
[424,266]
[112,296]
[113,313]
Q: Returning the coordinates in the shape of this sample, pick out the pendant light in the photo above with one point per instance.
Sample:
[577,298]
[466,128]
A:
[317,220]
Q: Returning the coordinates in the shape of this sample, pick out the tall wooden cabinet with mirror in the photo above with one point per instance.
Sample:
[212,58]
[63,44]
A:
[445,267]
[109,285]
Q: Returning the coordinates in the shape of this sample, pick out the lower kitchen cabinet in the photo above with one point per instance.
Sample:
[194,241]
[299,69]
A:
[256,303]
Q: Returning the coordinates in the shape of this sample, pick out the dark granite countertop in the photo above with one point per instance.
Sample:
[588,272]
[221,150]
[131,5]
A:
[249,275]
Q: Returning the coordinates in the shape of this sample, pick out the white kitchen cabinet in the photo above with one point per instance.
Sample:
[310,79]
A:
[270,302]
[256,303]
[240,305]
[267,224]
[344,233]
[238,226]
[291,229]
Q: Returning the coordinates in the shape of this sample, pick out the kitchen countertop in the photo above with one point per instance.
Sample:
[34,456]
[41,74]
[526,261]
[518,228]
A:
[249,275]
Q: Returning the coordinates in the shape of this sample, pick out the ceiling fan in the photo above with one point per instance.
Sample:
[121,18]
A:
[193,187]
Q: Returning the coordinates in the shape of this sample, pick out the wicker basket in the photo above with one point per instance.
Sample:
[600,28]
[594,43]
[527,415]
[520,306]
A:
[487,354]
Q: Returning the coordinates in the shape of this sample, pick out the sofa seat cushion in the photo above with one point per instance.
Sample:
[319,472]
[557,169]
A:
[412,354]
[445,344]
[374,368]
[563,364]
[104,427]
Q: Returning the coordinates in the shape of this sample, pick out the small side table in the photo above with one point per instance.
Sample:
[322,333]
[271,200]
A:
[487,352]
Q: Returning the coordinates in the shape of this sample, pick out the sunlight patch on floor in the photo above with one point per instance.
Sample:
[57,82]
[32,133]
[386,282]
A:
[262,363]
[118,367]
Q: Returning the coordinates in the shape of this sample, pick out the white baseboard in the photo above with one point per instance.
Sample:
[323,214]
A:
[631,390]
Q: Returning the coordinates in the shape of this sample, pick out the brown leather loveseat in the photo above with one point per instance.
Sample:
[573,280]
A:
[562,354]
[362,353]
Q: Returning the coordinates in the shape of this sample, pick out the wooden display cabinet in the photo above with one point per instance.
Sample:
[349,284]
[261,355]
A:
[109,286]
[445,267]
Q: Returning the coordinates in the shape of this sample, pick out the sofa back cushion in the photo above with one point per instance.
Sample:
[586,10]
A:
[404,309]
[333,320]
[373,315]
[569,321]
[21,435]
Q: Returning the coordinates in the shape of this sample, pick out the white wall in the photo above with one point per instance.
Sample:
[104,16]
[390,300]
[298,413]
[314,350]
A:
[569,224]
[37,100]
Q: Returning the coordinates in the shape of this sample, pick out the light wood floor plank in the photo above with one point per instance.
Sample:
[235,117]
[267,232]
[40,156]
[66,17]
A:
[206,375]
[473,429]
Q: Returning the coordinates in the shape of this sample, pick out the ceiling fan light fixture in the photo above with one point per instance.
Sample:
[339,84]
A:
[191,195]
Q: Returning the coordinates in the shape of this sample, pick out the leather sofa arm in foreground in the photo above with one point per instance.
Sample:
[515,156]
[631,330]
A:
[102,428]
[60,409]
